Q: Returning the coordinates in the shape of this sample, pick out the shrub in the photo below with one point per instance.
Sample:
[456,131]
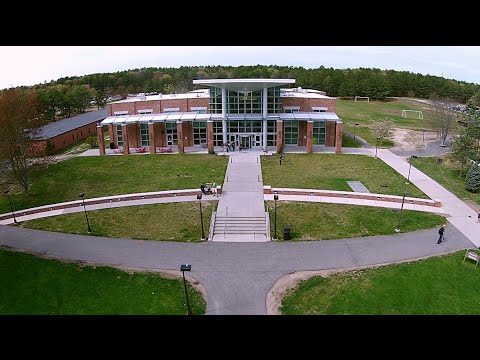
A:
[49,148]
[92,141]
[472,180]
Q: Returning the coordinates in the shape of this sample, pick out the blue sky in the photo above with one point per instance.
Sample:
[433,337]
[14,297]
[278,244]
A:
[28,65]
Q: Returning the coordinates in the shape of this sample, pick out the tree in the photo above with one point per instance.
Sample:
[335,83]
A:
[383,129]
[20,117]
[472,180]
[442,119]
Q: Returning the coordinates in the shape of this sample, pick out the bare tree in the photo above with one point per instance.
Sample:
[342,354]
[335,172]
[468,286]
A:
[383,129]
[442,119]
[20,118]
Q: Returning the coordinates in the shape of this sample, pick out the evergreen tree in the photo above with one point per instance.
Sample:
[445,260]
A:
[472,180]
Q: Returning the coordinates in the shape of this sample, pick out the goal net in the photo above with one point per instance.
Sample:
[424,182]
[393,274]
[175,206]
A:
[415,114]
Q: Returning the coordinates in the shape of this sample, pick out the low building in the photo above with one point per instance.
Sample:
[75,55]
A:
[67,131]
[251,113]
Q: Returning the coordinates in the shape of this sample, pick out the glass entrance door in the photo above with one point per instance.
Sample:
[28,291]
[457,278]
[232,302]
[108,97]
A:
[245,142]
[169,139]
[234,139]
[258,140]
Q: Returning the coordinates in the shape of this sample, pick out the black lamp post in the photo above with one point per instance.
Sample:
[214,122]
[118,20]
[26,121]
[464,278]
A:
[183,268]
[82,195]
[410,167]
[275,197]
[281,158]
[354,127]
[376,147]
[397,229]
[199,197]
[7,192]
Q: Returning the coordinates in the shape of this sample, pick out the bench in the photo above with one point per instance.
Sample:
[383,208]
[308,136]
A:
[472,255]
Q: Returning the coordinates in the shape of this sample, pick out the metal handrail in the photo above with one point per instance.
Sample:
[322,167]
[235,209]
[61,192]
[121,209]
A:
[225,227]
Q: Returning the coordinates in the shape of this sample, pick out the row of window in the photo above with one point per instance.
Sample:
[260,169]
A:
[198,110]
[234,127]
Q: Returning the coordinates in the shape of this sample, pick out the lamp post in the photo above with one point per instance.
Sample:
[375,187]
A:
[183,268]
[281,158]
[82,195]
[275,197]
[376,147]
[199,197]
[354,127]
[410,167]
[397,229]
[7,192]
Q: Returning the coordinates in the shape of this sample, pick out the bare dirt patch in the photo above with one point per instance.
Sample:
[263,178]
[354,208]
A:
[409,140]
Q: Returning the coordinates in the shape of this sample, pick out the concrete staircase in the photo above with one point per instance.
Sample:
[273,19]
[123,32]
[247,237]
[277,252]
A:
[239,228]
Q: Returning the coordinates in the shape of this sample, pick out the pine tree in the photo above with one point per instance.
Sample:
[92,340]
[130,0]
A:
[472,180]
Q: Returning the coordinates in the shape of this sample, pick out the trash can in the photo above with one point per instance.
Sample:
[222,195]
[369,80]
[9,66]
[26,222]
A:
[112,145]
[286,232]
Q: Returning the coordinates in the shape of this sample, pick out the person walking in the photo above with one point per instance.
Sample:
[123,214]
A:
[233,149]
[214,188]
[440,233]
[478,217]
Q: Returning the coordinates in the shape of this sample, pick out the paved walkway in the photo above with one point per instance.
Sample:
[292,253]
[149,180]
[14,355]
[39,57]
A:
[242,192]
[236,276]
[461,215]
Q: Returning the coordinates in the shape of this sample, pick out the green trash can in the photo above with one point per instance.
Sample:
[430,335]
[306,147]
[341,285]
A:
[286,232]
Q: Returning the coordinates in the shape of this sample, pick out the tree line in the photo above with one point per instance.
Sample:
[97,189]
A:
[71,95]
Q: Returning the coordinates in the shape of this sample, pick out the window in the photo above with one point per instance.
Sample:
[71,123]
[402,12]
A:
[291,132]
[291,109]
[319,132]
[119,136]
[171,128]
[118,113]
[217,133]
[145,111]
[199,110]
[170,110]
[199,133]
[144,134]
[319,109]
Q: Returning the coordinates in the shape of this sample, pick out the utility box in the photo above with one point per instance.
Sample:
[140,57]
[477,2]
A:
[286,232]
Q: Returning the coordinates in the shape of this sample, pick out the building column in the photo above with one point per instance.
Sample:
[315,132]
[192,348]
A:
[112,134]
[264,115]
[126,145]
[151,138]
[280,136]
[309,136]
[101,141]
[338,138]
[210,136]
[163,135]
[181,147]
[224,115]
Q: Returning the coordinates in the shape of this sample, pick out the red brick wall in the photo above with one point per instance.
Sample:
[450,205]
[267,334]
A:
[187,128]
[198,102]
[149,104]
[330,133]
[302,133]
[160,139]
[128,106]
[181,104]
[306,104]
[133,131]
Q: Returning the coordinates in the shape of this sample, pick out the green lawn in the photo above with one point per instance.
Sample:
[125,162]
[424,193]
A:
[169,222]
[348,142]
[323,221]
[331,172]
[364,113]
[447,175]
[440,285]
[32,285]
[113,175]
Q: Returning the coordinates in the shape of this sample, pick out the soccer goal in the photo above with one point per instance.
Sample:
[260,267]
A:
[362,98]
[419,114]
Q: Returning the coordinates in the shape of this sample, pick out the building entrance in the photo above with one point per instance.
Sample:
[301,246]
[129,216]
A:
[245,141]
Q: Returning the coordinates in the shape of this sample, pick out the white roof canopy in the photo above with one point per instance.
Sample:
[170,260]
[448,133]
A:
[244,85]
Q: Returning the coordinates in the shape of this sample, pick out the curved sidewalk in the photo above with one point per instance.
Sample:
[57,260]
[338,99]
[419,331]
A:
[236,276]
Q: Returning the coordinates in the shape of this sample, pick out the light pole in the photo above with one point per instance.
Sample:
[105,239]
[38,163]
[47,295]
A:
[376,147]
[275,197]
[7,192]
[199,197]
[397,229]
[354,127]
[183,268]
[410,168]
[82,195]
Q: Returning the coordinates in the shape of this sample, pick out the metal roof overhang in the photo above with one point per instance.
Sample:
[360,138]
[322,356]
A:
[243,85]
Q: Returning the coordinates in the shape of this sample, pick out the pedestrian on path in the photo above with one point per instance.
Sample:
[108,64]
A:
[233,149]
[214,188]
[440,233]
[478,217]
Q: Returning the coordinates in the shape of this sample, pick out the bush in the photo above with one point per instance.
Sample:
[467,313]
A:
[49,148]
[92,141]
[472,180]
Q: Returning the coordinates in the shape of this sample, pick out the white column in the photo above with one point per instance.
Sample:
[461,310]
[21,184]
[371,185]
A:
[224,115]
[264,114]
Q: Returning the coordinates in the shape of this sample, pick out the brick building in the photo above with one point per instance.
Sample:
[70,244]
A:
[252,113]
[67,131]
